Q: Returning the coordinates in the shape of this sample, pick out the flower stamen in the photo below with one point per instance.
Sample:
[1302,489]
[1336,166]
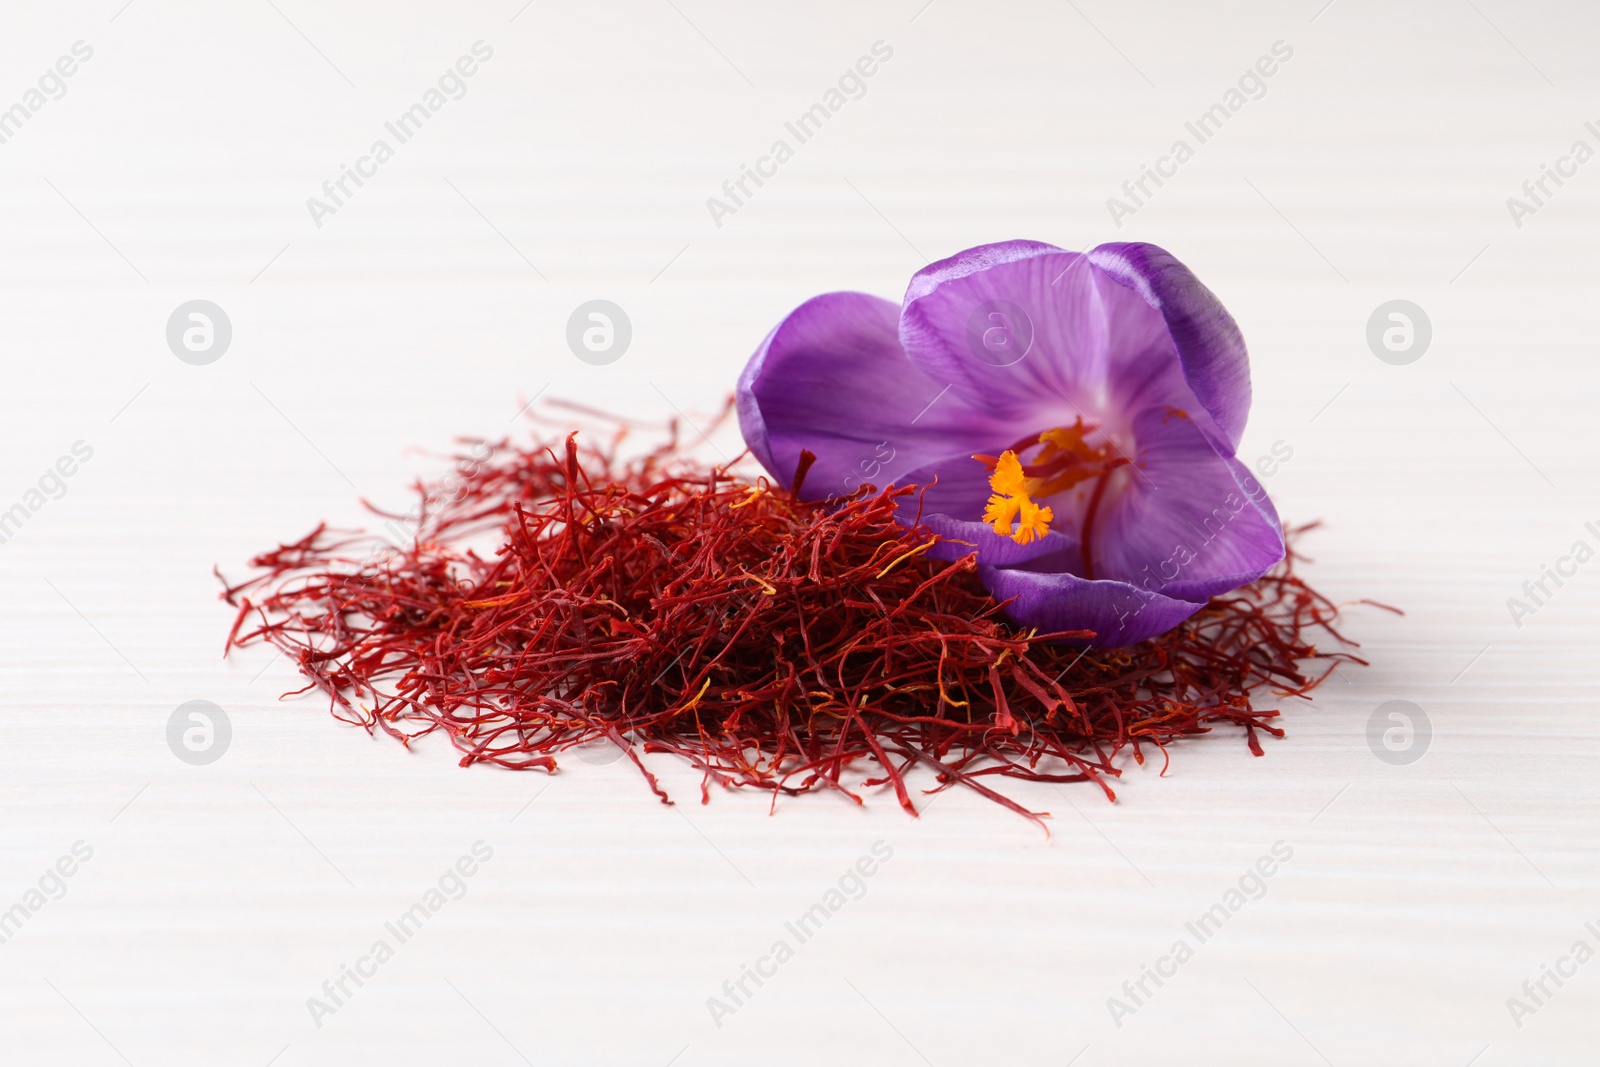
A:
[1064,458]
[1010,500]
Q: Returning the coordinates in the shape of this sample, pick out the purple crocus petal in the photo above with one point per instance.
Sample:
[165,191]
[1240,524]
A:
[1190,522]
[833,379]
[1039,336]
[1210,346]
[1119,613]
[959,537]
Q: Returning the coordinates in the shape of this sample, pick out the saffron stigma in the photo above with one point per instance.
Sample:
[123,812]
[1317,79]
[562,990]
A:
[660,607]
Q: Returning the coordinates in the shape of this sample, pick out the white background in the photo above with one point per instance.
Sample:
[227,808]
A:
[219,898]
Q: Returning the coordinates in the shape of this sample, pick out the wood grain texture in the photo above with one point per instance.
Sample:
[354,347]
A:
[1375,165]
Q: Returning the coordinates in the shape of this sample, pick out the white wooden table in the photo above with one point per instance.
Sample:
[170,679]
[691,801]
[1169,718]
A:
[216,900]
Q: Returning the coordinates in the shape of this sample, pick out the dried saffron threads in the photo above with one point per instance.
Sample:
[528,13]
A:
[560,595]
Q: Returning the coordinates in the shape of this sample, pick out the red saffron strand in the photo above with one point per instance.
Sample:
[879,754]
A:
[664,607]
[1089,515]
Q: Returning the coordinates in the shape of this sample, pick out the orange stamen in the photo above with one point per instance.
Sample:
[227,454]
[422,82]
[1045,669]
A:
[1063,460]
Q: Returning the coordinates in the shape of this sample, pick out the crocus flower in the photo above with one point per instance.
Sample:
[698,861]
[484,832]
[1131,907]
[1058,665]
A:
[1072,418]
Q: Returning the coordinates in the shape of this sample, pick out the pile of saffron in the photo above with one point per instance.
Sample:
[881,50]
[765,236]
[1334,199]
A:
[560,594]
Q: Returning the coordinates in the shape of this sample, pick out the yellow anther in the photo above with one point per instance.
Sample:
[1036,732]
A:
[1035,523]
[1008,477]
[1010,501]
[1000,512]
[1061,459]
[1068,440]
